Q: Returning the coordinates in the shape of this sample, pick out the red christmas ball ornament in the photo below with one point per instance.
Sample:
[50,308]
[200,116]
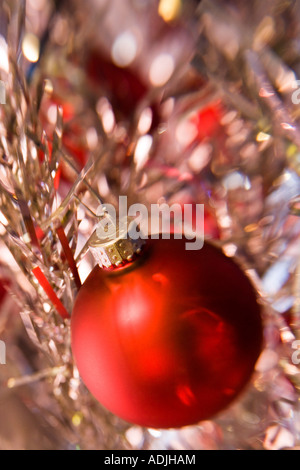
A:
[122,86]
[170,339]
[208,121]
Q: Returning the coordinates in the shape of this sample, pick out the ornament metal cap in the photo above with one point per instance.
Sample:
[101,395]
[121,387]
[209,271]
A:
[113,245]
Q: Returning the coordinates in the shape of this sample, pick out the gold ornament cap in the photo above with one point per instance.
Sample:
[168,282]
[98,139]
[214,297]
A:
[113,246]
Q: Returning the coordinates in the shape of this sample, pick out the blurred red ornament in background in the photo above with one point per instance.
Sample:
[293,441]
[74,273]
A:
[210,230]
[123,87]
[3,289]
[170,340]
[208,121]
[73,137]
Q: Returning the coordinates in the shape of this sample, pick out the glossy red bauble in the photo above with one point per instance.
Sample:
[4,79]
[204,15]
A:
[172,339]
